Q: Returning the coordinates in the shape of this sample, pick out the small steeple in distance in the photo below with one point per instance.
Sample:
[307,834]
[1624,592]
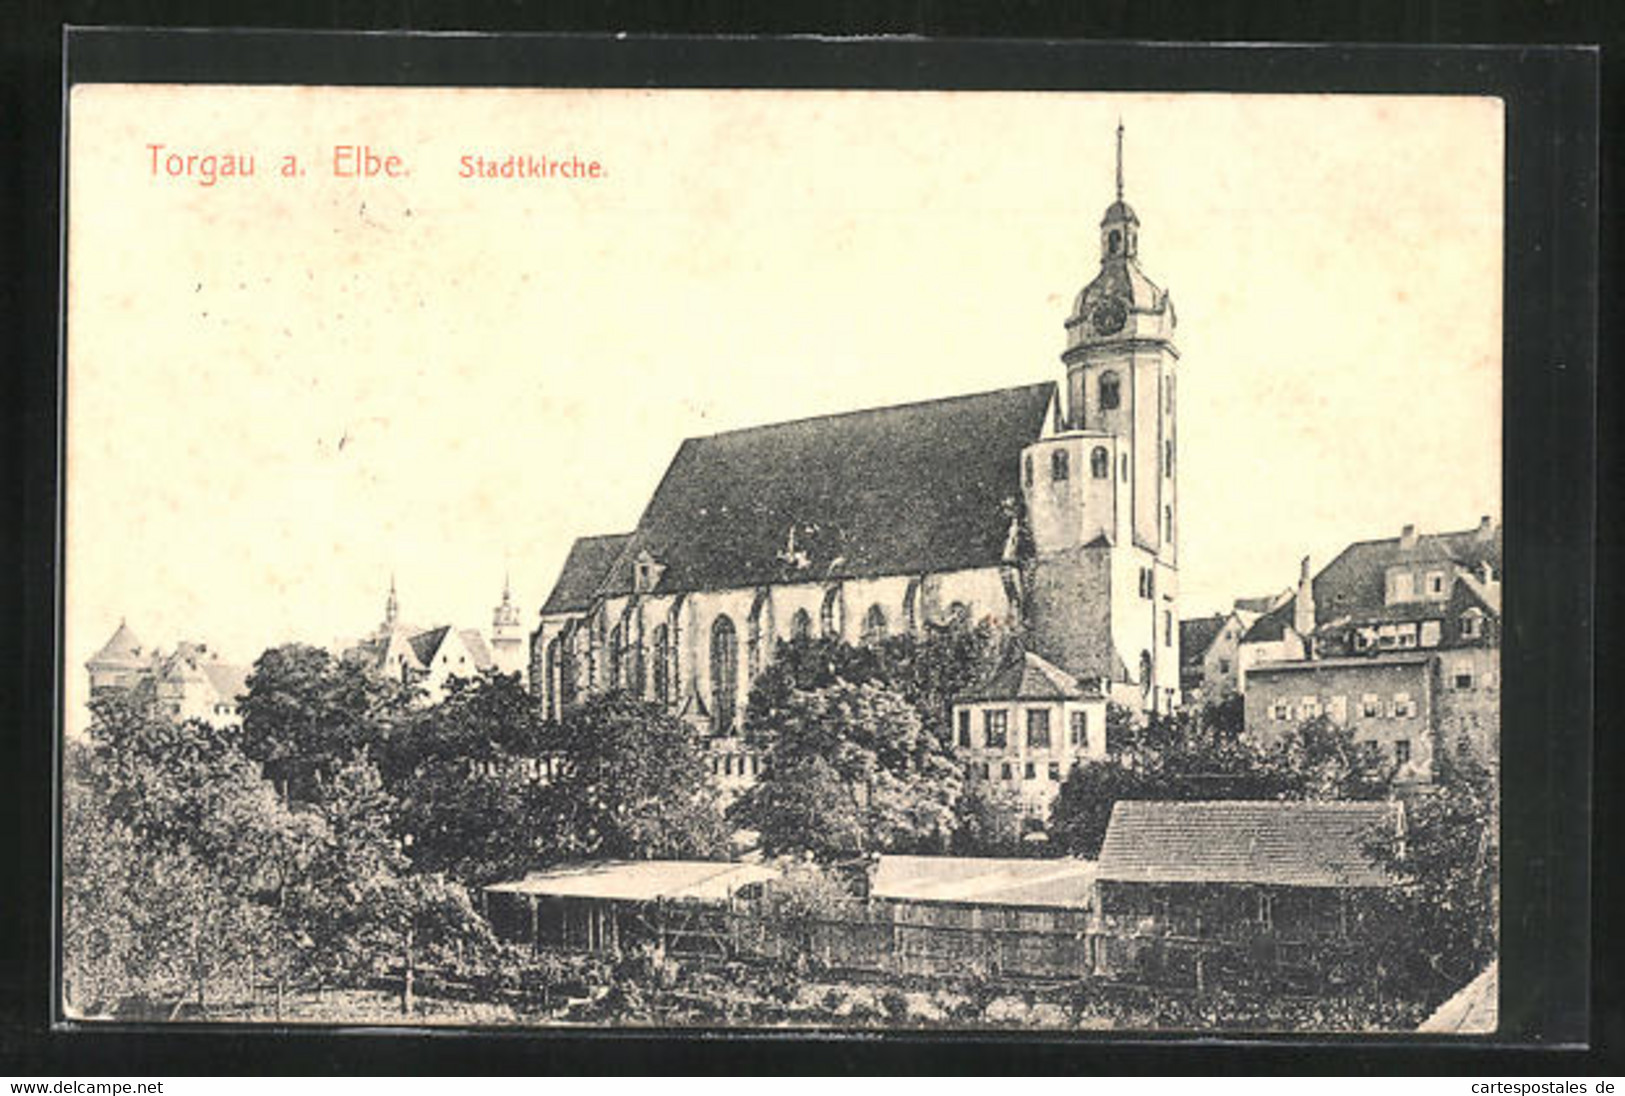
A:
[392,607]
[507,636]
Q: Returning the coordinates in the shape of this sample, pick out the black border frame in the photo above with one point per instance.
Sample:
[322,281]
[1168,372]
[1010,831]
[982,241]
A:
[1551,294]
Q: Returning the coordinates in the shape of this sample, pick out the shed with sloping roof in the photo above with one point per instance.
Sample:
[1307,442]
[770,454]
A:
[1239,890]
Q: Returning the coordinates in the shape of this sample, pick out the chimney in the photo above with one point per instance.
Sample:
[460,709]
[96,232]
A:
[1486,573]
[1486,528]
[1407,538]
[1303,609]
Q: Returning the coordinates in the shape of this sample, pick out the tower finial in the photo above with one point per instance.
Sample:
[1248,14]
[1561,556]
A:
[1119,158]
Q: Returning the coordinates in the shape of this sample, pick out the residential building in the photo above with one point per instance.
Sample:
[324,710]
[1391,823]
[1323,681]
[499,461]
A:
[191,682]
[1025,727]
[426,657]
[1229,891]
[1042,510]
[1210,657]
[1408,627]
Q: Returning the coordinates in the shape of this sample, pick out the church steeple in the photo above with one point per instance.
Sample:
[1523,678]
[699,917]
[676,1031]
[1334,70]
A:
[506,614]
[1120,228]
[392,606]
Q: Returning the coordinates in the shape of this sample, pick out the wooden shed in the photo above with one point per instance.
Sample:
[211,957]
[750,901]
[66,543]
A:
[679,904]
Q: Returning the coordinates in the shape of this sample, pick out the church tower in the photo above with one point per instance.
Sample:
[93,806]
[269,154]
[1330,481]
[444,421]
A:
[507,637]
[1101,495]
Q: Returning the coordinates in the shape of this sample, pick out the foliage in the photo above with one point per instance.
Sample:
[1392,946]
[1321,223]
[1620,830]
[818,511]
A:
[851,770]
[305,713]
[465,774]
[1196,756]
[1438,928]
[631,782]
[988,821]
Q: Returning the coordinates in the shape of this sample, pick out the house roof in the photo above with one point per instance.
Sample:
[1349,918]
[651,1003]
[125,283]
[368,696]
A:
[584,570]
[229,682]
[1066,883]
[1196,636]
[1380,658]
[1353,586]
[1305,844]
[122,648]
[1029,677]
[641,880]
[893,490]
[478,649]
[1473,1010]
[425,644]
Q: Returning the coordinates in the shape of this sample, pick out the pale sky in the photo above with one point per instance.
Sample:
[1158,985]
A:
[511,364]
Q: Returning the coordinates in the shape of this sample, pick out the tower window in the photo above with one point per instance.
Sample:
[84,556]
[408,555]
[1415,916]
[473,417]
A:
[1100,463]
[1110,395]
[1168,458]
[1114,242]
[1058,469]
[1027,470]
[1168,522]
[1122,465]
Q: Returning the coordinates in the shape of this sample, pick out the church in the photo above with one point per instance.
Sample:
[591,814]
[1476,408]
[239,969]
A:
[1049,510]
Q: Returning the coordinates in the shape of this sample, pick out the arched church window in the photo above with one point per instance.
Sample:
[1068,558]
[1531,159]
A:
[753,635]
[724,675]
[660,653]
[674,640]
[1058,467]
[615,652]
[829,616]
[874,625]
[1027,469]
[1100,463]
[911,612]
[801,625]
[1110,391]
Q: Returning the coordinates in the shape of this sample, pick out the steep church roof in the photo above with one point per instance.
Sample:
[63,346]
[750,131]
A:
[895,490]
[584,570]
[1354,584]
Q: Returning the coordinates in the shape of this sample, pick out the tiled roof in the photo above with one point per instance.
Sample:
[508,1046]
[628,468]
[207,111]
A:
[1353,586]
[1027,678]
[584,569]
[894,490]
[1196,636]
[1306,844]
[1065,883]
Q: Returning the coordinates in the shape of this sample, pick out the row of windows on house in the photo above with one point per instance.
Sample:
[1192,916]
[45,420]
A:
[1372,706]
[996,728]
[983,770]
[1402,585]
[1411,634]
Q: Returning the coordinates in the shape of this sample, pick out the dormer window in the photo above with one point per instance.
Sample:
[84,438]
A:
[1472,624]
[1436,587]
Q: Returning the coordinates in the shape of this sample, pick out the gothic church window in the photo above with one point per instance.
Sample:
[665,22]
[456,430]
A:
[615,652]
[829,615]
[1100,463]
[753,635]
[1058,469]
[874,625]
[661,653]
[911,597]
[724,675]
[1110,396]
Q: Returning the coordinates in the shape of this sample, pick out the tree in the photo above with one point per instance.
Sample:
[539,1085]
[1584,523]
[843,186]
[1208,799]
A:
[851,763]
[1083,806]
[306,712]
[1437,928]
[989,821]
[630,781]
[465,775]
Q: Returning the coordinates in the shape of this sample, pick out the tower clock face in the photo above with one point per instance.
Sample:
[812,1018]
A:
[1109,317]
